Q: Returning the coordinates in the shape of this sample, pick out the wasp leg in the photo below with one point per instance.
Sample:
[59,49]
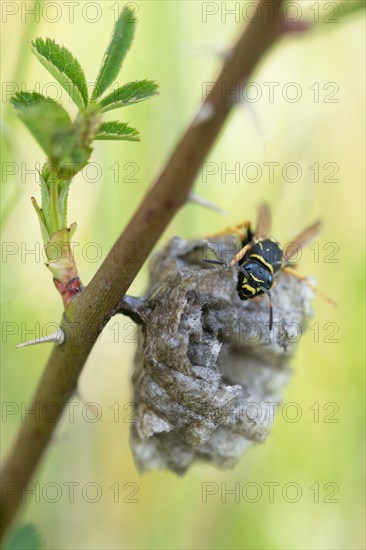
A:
[241,230]
[240,254]
[301,277]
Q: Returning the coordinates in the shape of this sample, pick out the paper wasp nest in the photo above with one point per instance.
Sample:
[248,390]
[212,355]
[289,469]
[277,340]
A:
[207,371]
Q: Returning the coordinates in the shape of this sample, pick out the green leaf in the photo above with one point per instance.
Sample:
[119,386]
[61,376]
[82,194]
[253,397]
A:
[44,118]
[118,131]
[63,67]
[130,93]
[66,145]
[25,537]
[121,40]
[23,100]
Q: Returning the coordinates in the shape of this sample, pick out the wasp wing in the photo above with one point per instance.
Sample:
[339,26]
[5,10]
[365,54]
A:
[264,222]
[303,239]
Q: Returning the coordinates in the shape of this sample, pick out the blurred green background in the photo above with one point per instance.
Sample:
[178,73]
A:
[179,44]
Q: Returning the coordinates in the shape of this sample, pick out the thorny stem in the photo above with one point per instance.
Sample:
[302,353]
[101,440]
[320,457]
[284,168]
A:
[90,310]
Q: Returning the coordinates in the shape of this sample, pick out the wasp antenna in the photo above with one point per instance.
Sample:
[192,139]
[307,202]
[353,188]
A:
[218,262]
[270,314]
[266,291]
[57,338]
[206,203]
[221,262]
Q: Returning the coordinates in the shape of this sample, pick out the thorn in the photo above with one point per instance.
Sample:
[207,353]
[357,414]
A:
[206,203]
[57,338]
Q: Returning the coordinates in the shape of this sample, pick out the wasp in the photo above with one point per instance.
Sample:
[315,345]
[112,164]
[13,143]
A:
[261,257]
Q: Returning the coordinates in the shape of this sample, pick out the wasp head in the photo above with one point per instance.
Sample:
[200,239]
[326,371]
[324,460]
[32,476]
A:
[258,276]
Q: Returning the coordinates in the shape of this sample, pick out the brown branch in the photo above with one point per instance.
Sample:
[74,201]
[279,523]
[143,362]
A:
[88,313]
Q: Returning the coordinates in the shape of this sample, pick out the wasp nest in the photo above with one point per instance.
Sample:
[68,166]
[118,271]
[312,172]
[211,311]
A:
[207,369]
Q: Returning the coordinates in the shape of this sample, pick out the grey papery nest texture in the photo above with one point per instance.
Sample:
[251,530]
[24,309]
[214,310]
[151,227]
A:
[207,371]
